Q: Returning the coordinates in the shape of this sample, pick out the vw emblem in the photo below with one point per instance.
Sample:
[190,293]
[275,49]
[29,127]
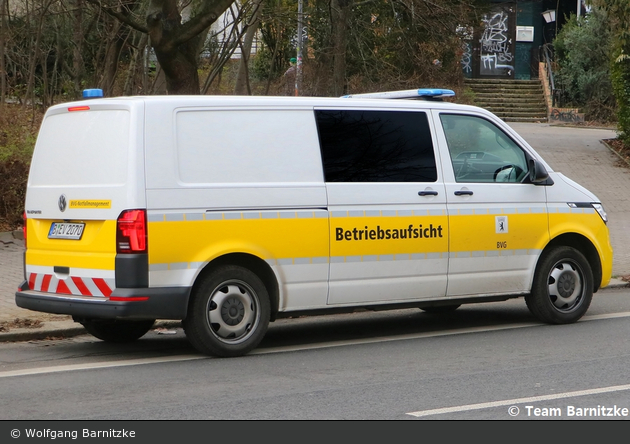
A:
[62,203]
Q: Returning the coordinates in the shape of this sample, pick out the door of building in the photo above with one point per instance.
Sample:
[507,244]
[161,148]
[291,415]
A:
[494,45]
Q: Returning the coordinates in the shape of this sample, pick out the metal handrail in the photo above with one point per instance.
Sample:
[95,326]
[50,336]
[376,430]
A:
[548,56]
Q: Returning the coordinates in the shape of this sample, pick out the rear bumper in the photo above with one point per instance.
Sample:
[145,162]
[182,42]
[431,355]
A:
[162,303]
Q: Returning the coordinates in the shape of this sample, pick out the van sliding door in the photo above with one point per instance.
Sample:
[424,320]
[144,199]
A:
[388,225]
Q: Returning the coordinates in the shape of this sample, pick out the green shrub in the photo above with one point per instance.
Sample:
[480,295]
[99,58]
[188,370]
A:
[621,85]
[583,52]
[18,131]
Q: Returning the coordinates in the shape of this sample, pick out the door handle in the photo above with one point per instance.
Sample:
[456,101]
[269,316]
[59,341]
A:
[463,193]
[427,193]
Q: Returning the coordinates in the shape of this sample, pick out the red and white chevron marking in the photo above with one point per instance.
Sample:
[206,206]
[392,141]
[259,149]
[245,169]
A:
[74,285]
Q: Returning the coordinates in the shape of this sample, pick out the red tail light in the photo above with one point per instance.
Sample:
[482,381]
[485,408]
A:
[24,228]
[131,232]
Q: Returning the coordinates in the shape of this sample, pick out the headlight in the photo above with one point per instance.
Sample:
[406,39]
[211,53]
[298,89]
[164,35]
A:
[600,210]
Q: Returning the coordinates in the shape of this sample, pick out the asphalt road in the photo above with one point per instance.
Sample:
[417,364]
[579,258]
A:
[484,361]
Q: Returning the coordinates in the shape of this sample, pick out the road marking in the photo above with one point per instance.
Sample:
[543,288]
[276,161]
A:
[459,331]
[510,402]
[97,365]
[291,348]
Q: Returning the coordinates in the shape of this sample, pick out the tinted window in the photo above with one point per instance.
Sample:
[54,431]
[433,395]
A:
[376,146]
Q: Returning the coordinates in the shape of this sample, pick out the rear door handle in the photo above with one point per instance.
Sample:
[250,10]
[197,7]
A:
[427,193]
[463,193]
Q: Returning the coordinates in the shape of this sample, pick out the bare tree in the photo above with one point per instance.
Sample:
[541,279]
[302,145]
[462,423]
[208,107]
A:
[176,42]
[242,78]
[3,69]
[340,16]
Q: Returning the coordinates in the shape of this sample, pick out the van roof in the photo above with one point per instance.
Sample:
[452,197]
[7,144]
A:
[272,101]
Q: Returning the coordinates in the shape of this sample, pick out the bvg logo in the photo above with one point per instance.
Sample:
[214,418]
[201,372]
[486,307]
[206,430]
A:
[63,203]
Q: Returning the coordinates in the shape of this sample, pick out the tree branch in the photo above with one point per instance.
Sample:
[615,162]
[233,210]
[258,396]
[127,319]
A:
[206,17]
[119,16]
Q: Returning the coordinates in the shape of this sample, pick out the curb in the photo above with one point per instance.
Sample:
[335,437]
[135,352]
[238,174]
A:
[612,150]
[62,330]
[12,237]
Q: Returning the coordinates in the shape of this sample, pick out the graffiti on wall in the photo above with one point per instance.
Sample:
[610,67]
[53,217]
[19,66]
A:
[565,115]
[495,44]
[466,60]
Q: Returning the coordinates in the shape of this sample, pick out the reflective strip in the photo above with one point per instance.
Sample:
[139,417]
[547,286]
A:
[238,215]
[306,214]
[103,287]
[358,258]
[79,286]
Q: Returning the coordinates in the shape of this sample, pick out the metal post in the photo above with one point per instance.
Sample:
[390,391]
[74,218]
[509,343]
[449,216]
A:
[579,8]
[298,66]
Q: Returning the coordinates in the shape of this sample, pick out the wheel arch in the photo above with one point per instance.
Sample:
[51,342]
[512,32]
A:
[584,246]
[253,263]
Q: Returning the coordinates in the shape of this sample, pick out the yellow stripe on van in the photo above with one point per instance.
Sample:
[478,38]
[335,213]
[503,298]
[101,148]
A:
[268,235]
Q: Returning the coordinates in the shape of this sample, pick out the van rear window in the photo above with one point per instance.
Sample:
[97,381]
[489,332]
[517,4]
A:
[82,148]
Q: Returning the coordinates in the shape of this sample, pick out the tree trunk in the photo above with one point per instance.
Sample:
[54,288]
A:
[116,38]
[34,58]
[179,62]
[177,45]
[139,44]
[77,58]
[242,77]
[340,17]
[3,70]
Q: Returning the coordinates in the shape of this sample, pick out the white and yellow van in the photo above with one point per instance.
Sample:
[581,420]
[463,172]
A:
[229,212]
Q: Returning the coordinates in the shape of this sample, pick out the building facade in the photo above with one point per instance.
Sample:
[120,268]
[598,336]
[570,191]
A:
[507,42]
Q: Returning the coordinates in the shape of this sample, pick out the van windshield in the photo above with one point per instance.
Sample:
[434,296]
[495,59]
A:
[82,148]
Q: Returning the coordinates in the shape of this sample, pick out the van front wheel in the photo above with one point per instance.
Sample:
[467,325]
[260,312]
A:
[229,312]
[117,331]
[562,288]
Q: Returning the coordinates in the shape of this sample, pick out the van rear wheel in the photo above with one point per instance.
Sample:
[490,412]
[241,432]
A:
[117,331]
[229,312]
[562,288]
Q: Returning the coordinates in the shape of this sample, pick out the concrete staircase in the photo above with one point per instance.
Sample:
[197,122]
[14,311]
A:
[511,100]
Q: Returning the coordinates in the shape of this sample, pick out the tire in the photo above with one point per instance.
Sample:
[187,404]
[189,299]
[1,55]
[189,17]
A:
[118,331]
[441,309]
[229,312]
[563,287]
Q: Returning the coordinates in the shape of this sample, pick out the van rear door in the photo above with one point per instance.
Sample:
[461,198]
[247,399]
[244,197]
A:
[86,169]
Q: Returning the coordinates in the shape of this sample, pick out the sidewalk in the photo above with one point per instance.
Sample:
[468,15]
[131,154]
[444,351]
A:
[576,152]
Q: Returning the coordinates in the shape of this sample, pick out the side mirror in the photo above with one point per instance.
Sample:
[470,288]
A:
[537,172]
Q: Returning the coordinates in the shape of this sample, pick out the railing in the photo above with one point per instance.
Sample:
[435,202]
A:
[547,57]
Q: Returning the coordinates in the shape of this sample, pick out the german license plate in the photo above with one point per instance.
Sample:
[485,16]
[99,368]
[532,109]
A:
[65,230]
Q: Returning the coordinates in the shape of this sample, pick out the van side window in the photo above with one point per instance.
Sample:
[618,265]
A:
[376,146]
[482,152]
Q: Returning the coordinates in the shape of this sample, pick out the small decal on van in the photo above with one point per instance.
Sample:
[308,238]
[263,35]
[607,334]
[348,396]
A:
[90,204]
[501,224]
